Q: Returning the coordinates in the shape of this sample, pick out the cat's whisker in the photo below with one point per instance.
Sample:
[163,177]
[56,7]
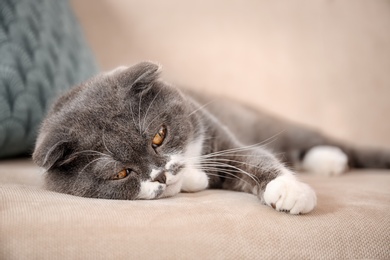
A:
[238,169]
[229,160]
[195,159]
[244,155]
[239,149]
[211,158]
[51,150]
[230,176]
[235,161]
[209,138]
[115,165]
[150,105]
[225,165]
[104,167]
[139,113]
[243,148]
[216,175]
[227,153]
[201,107]
[132,114]
[92,152]
[229,172]
[104,144]
[154,119]
[95,160]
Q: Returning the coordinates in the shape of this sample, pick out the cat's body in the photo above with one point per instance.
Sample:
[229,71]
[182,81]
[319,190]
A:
[128,135]
[291,142]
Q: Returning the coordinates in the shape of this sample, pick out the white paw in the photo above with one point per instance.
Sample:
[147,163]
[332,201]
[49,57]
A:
[286,193]
[151,190]
[194,180]
[154,190]
[325,160]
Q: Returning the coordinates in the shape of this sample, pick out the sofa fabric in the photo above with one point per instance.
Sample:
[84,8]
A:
[351,221]
[42,53]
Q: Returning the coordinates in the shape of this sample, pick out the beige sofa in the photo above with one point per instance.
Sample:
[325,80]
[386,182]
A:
[352,221]
[323,63]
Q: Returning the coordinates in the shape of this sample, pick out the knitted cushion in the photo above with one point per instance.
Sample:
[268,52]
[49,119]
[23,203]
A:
[42,53]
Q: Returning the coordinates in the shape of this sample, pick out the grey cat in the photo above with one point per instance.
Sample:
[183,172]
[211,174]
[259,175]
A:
[128,135]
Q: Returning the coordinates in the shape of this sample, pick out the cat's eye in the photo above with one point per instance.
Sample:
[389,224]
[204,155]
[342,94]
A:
[122,174]
[158,138]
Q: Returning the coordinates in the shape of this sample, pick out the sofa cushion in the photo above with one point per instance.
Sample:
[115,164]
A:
[352,221]
[42,53]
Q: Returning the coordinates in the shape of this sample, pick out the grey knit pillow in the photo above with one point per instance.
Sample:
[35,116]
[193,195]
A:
[42,53]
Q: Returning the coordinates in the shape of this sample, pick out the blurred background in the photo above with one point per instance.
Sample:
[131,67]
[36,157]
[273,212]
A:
[323,63]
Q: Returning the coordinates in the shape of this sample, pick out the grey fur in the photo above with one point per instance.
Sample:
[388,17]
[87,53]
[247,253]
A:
[107,124]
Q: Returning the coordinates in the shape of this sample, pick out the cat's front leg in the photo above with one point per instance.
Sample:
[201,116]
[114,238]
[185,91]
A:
[260,173]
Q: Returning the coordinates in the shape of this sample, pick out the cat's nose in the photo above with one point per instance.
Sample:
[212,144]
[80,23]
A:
[161,178]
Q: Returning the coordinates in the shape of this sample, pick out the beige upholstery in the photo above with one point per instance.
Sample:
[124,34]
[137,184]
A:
[323,63]
[352,221]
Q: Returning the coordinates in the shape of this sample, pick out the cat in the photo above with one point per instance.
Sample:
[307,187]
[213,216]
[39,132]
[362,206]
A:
[127,134]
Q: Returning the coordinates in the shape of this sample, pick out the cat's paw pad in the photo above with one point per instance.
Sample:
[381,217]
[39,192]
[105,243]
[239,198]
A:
[325,160]
[286,193]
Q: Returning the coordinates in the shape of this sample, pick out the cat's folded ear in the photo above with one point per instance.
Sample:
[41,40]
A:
[140,76]
[52,151]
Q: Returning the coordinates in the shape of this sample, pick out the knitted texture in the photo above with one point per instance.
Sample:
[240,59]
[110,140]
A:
[42,53]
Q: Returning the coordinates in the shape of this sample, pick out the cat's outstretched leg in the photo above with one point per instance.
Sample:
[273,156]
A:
[257,171]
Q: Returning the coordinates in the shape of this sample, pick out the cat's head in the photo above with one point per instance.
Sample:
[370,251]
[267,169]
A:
[121,135]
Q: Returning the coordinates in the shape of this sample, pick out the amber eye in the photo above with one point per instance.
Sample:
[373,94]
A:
[122,174]
[158,139]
